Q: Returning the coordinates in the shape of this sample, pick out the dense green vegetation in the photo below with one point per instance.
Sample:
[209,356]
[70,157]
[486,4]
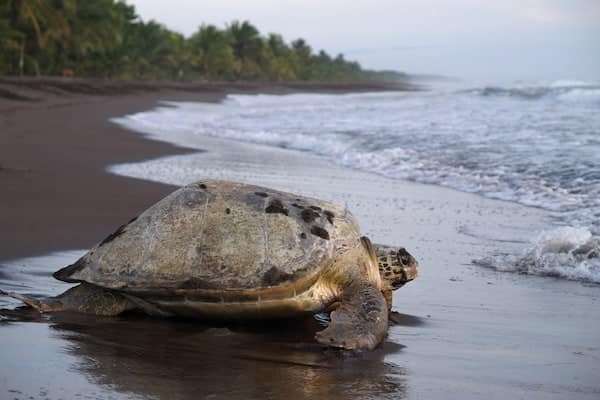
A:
[106,38]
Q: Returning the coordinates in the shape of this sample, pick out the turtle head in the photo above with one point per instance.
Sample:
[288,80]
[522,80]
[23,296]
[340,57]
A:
[396,266]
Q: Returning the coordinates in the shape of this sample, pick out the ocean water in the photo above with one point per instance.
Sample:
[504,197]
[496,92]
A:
[533,144]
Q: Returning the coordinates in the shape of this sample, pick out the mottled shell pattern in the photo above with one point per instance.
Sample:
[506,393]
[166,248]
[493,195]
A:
[219,236]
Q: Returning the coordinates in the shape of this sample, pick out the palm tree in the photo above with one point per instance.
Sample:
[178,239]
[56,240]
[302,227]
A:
[247,47]
[43,19]
[97,27]
[213,50]
[281,59]
[277,45]
[10,41]
[303,52]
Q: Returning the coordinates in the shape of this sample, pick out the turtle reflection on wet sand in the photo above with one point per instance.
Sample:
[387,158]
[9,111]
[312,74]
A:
[226,250]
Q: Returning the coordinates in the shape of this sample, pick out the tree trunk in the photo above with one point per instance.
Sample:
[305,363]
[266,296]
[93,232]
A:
[22,58]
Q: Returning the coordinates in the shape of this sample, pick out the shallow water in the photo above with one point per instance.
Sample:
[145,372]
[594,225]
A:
[72,356]
[67,355]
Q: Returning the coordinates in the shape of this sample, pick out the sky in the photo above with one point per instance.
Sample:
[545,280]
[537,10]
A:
[475,40]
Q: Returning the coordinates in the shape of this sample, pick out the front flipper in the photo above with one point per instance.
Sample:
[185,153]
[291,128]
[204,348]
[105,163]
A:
[361,320]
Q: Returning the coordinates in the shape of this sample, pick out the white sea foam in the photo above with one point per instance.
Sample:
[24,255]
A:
[570,83]
[565,252]
[581,94]
[558,90]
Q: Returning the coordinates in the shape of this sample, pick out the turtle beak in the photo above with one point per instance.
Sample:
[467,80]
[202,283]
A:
[409,270]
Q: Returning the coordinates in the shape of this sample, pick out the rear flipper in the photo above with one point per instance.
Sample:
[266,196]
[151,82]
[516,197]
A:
[84,298]
[361,320]
[42,305]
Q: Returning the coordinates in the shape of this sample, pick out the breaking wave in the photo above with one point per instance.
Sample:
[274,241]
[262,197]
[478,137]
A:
[566,252]
[562,90]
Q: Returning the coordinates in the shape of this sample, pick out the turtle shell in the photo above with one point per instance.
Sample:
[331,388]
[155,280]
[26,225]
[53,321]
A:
[218,235]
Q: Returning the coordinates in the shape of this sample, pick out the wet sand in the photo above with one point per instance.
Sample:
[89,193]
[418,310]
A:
[52,172]
[463,331]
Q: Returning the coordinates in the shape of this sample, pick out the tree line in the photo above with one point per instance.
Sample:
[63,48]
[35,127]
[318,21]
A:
[107,39]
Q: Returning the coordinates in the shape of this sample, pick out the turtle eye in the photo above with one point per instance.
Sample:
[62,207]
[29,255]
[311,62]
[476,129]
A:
[404,256]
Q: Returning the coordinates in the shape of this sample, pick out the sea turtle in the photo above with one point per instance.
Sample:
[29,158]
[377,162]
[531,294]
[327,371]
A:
[219,249]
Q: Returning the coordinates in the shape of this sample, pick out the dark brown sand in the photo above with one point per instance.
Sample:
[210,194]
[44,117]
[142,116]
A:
[52,176]
[56,141]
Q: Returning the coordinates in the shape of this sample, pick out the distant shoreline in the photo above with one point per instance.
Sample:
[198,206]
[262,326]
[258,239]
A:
[24,90]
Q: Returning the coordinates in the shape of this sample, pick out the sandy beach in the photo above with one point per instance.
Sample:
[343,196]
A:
[463,331]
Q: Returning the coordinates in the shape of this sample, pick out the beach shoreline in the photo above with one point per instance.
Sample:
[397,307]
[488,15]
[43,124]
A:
[57,142]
